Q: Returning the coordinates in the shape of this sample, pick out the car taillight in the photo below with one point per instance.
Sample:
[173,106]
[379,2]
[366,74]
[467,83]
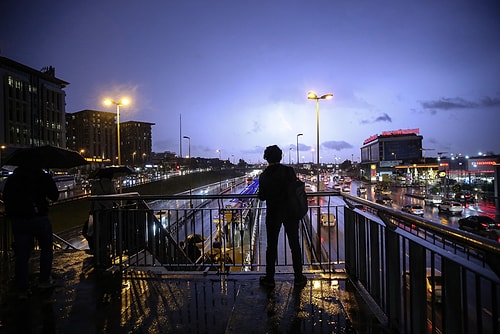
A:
[484,225]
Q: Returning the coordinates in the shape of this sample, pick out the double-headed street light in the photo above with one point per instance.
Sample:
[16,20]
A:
[314,96]
[298,135]
[122,102]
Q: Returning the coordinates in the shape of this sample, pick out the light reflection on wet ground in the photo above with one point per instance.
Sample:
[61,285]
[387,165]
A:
[92,302]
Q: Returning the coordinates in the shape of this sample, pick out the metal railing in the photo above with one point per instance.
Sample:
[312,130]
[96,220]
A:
[210,232]
[419,276]
[422,276]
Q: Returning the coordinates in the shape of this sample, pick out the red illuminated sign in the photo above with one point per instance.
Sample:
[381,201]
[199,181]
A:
[392,133]
[370,139]
[485,163]
[400,132]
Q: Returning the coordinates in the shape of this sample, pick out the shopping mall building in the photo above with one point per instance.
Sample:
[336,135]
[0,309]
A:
[398,156]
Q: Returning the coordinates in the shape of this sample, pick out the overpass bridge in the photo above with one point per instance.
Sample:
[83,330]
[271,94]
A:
[377,270]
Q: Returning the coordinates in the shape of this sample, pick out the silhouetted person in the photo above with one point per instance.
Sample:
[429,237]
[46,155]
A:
[273,183]
[102,186]
[26,195]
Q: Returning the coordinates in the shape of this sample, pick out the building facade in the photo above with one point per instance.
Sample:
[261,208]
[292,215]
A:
[381,153]
[137,141]
[93,134]
[32,106]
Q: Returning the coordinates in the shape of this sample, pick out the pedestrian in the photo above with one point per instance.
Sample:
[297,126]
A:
[101,186]
[26,195]
[273,183]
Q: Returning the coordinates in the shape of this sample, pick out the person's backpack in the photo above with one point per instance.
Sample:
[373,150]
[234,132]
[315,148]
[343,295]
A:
[297,199]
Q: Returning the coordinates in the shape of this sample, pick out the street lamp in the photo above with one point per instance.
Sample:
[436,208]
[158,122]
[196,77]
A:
[189,145]
[3,147]
[298,135]
[122,102]
[314,96]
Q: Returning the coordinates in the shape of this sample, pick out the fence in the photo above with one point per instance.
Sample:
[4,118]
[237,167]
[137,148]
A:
[420,276]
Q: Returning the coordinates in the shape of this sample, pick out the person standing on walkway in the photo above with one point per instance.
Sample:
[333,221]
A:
[26,195]
[273,184]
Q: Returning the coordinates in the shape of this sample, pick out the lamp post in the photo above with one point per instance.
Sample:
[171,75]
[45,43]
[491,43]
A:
[189,167]
[189,145]
[122,102]
[3,147]
[220,170]
[314,96]
[298,135]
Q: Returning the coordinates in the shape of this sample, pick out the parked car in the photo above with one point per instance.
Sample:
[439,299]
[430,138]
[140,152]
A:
[361,190]
[414,209]
[451,207]
[328,219]
[346,188]
[433,200]
[433,282]
[481,225]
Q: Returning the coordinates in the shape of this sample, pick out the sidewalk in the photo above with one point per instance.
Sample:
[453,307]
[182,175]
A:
[89,301]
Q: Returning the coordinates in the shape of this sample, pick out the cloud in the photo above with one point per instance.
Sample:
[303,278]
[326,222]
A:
[337,145]
[448,104]
[256,128]
[382,118]
[490,102]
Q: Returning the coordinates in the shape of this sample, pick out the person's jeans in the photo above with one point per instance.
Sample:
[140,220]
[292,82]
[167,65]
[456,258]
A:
[273,226]
[26,230]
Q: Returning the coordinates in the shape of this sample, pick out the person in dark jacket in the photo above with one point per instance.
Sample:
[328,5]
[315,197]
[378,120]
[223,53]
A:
[273,184]
[26,195]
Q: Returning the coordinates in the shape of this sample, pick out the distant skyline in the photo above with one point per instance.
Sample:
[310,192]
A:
[238,72]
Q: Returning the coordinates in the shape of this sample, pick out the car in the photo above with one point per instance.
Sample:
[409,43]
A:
[414,209]
[346,189]
[451,207]
[385,200]
[481,225]
[465,197]
[383,189]
[328,219]
[361,190]
[433,283]
[433,200]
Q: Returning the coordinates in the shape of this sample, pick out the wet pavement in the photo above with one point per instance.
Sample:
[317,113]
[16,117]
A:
[93,301]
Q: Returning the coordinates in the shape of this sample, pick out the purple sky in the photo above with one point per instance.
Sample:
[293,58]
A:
[238,71]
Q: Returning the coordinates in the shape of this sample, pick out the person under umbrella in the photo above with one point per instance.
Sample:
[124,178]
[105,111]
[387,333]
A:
[101,186]
[26,196]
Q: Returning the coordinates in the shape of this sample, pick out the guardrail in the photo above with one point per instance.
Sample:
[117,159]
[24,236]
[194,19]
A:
[417,275]
[422,276]
[197,232]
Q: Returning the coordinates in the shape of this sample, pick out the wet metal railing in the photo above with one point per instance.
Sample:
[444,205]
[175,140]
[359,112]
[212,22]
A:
[419,276]
[212,232]
[422,276]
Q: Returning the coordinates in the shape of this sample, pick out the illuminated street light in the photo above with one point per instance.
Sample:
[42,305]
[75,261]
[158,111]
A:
[122,102]
[314,96]
[189,145]
[3,147]
[298,135]
[189,165]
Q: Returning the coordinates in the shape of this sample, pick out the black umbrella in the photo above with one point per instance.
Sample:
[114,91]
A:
[45,157]
[111,172]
